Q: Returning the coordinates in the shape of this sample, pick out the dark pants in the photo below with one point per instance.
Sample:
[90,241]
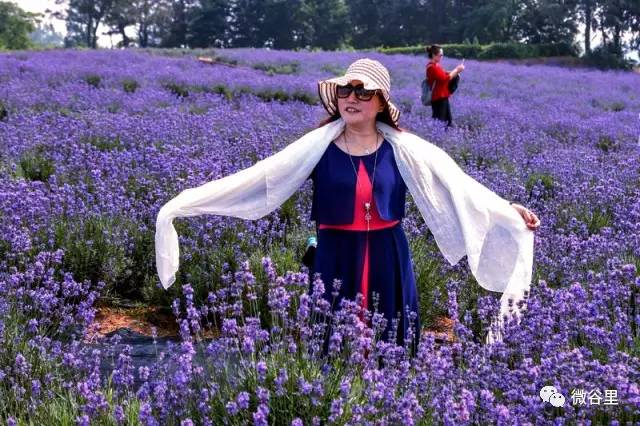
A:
[441,110]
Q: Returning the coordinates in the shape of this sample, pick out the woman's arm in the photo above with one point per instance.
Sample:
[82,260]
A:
[457,70]
[250,193]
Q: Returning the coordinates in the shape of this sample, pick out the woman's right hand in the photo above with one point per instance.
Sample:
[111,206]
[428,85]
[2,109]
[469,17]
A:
[460,68]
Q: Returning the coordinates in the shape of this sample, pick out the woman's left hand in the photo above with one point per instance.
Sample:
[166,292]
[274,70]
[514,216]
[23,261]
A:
[529,217]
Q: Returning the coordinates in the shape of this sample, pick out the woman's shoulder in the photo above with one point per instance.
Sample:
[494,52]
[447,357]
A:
[431,67]
[336,142]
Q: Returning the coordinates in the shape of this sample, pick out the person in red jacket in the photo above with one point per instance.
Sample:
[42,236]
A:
[440,93]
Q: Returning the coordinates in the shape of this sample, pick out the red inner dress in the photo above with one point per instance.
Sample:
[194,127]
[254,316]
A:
[364,193]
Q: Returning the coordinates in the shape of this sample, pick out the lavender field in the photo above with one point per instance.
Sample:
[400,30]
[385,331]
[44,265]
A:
[93,143]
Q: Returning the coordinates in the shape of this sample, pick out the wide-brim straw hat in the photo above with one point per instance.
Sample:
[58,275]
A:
[373,75]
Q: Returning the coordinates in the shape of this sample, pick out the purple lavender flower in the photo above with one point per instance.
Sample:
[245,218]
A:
[260,417]
[21,366]
[117,157]
[232,408]
[83,420]
[118,414]
[261,369]
[146,417]
[243,400]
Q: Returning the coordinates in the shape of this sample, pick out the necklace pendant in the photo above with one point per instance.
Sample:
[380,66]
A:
[367,210]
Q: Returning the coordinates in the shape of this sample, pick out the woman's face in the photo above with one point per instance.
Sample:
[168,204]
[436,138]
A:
[438,57]
[357,112]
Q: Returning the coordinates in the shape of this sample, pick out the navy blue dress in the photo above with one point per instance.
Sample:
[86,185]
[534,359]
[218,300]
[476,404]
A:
[341,253]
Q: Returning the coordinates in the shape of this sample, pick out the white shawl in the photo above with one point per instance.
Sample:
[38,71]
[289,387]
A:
[464,216]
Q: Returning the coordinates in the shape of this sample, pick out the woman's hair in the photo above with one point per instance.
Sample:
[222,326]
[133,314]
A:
[433,50]
[383,116]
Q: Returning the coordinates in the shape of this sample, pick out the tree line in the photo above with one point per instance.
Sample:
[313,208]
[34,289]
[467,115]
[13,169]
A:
[339,24]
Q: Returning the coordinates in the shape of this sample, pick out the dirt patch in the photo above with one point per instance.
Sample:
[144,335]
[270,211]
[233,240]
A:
[143,319]
[442,331]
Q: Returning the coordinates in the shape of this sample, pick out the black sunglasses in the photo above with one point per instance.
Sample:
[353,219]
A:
[361,93]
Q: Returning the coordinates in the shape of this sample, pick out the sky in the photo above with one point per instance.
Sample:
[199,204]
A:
[106,41]
[39,6]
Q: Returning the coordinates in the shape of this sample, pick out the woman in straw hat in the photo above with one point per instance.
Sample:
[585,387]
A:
[362,165]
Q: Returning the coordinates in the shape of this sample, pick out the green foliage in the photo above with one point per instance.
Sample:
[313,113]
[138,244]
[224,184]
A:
[551,26]
[104,143]
[617,106]
[507,51]
[208,23]
[198,110]
[180,90]
[473,123]
[479,161]
[94,251]
[556,49]
[465,155]
[45,369]
[130,85]
[491,51]
[329,24]
[595,218]
[221,89]
[288,212]
[544,181]
[271,69]
[34,164]
[55,403]
[41,307]
[562,133]
[607,143]
[66,112]
[461,50]
[404,50]
[15,26]
[430,282]
[282,96]
[267,95]
[603,57]
[93,80]
[305,98]
[333,69]
[82,18]
[226,60]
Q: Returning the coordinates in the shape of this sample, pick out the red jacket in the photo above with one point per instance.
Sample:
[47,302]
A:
[441,77]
